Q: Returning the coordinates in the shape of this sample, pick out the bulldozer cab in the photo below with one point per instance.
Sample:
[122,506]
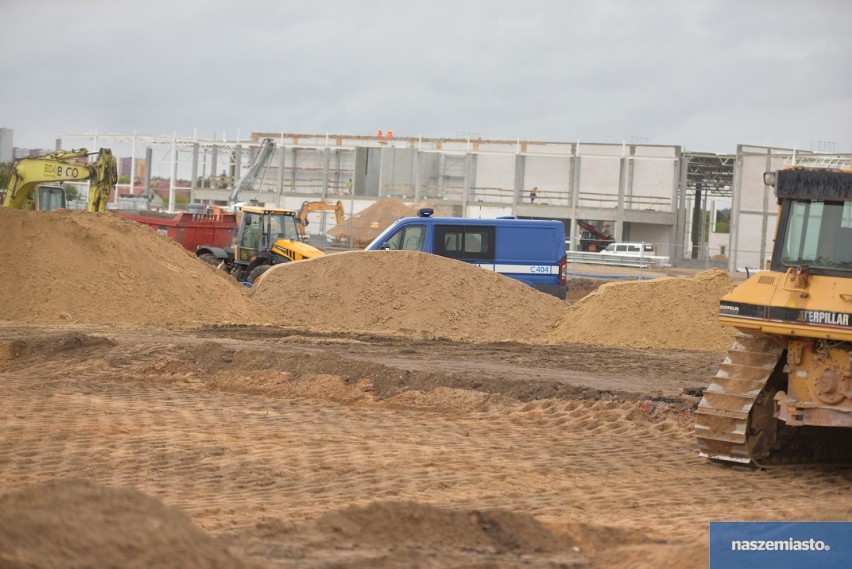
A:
[815,228]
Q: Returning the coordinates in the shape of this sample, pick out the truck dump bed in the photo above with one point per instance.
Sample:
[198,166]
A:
[191,230]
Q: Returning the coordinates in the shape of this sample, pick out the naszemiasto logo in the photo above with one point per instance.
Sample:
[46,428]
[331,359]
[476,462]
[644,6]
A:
[780,545]
[823,317]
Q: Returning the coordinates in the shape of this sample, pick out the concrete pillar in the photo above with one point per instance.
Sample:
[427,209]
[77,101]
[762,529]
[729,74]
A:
[337,163]
[416,176]
[281,164]
[696,222]
[679,249]
[293,171]
[442,167]
[326,159]
[193,182]
[237,165]
[381,190]
[736,205]
[619,208]
[520,176]
[467,184]
[149,158]
[768,193]
[574,196]
[213,173]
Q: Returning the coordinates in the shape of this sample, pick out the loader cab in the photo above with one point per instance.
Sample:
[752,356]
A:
[260,228]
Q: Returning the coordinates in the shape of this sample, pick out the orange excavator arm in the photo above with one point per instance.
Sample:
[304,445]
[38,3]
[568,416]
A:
[325,205]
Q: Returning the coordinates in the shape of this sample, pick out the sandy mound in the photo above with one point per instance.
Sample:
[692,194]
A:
[668,313]
[366,225]
[406,293]
[80,524]
[96,268]
[399,535]
[498,531]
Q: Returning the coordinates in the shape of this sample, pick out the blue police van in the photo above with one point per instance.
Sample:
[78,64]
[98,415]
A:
[529,250]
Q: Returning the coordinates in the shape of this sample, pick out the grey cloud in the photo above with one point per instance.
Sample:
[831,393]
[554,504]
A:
[706,75]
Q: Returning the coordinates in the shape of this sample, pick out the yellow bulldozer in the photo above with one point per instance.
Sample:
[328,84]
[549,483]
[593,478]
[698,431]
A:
[784,392]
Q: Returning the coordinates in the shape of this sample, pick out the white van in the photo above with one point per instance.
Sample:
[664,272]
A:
[630,249]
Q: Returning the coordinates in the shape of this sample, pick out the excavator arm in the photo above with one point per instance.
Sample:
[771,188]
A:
[62,166]
[308,207]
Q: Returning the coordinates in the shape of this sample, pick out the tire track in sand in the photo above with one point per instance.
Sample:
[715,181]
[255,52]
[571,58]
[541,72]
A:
[232,460]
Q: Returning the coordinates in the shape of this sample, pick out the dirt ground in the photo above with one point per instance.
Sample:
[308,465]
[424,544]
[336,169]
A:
[363,436]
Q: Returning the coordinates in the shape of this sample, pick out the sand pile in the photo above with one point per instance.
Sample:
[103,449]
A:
[406,293]
[421,525]
[80,524]
[366,225]
[664,313]
[96,268]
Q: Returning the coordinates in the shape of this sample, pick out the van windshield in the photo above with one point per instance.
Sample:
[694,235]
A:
[409,238]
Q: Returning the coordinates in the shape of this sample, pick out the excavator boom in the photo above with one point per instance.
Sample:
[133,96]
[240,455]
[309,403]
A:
[62,166]
[325,205]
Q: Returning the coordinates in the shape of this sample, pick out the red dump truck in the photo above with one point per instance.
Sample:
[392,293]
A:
[191,230]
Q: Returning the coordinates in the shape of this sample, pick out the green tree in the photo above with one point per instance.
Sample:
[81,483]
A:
[5,173]
[723,220]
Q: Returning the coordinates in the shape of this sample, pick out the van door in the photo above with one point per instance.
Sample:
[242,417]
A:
[408,238]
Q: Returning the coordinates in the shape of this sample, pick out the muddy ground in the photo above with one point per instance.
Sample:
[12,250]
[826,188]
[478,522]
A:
[272,447]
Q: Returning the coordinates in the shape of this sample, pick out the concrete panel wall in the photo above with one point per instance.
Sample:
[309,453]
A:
[551,175]
[658,235]
[754,209]
[599,181]
[651,184]
[495,177]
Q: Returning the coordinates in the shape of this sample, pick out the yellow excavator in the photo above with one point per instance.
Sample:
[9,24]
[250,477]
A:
[31,178]
[783,394]
[324,205]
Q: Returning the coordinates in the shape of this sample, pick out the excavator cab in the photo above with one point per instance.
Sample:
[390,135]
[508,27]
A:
[49,198]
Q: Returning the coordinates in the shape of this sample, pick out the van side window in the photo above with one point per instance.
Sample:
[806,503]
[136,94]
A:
[465,242]
[409,238]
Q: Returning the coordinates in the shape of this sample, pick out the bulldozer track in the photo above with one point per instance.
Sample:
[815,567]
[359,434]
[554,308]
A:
[735,423]
[727,420]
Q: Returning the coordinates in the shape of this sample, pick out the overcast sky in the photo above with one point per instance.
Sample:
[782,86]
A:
[706,75]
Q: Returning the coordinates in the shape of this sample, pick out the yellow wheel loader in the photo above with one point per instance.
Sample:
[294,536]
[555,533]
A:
[266,236]
[783,394]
